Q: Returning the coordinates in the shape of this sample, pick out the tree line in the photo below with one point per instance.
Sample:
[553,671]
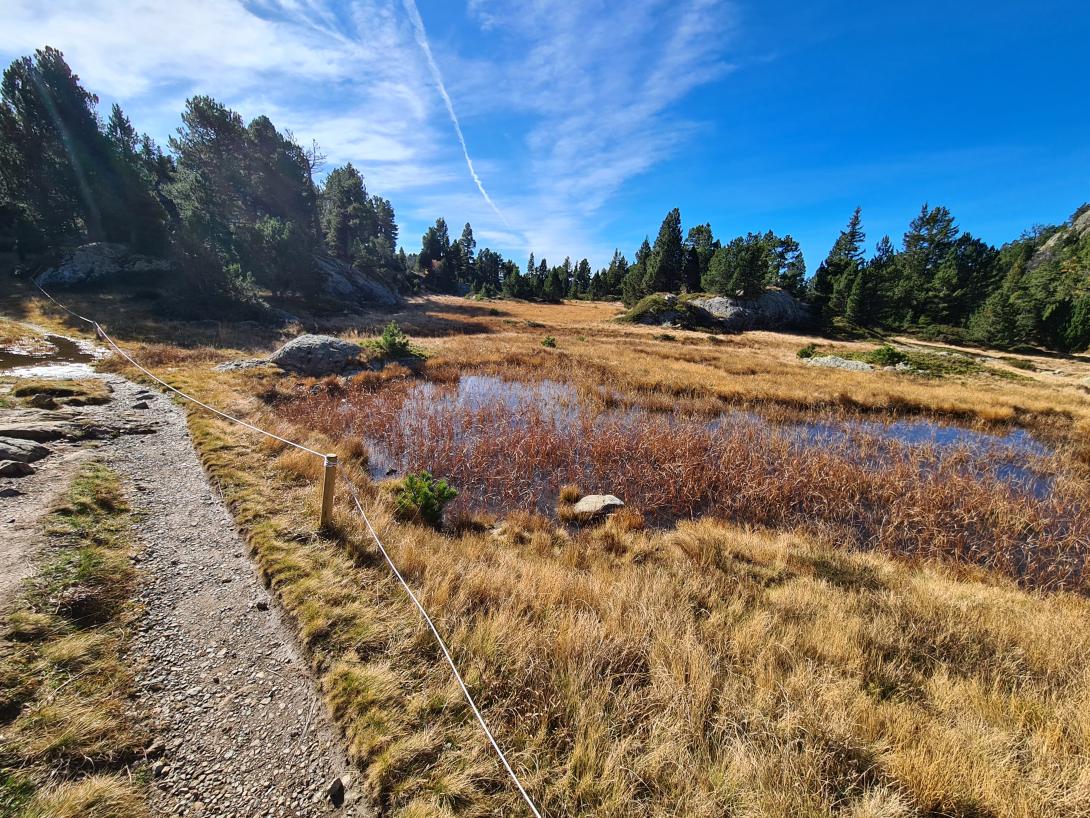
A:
[236,205]
[239,208]
[946,283]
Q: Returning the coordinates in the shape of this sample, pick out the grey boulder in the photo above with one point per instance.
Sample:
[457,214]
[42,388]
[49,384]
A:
[21,451]
[13,468]
[316,355]
[97,261]
[773,309]
[595,505]
[347,283]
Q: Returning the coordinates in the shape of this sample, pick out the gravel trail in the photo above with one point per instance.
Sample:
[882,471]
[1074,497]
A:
[239,727]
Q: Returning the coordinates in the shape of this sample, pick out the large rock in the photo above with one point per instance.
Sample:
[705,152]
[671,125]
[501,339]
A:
[21,451]
[1078,227]
[773,309]
[40,431]
[316,355]
[346,283]
[13,468]
[97,261]
[595,505]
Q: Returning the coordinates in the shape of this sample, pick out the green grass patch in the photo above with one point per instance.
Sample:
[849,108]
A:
[72,393]
[63,686]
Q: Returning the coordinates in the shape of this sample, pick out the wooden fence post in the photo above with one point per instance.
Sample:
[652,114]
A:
[329,482]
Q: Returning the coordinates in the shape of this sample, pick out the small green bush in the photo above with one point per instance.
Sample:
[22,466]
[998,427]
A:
[808,351]
[421,498]
[665,336]
[394,343]
[549,341]
[886,355]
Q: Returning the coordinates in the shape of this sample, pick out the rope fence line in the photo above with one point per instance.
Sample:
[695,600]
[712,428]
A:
[330,461]
[442,646]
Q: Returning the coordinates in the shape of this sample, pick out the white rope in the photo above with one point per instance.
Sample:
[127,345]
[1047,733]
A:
[355,499]
[98,329]
[442,647]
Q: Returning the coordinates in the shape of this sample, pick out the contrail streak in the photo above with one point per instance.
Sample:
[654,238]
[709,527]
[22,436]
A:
[422,41]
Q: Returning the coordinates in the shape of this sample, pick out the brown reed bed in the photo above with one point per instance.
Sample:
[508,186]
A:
[857,489]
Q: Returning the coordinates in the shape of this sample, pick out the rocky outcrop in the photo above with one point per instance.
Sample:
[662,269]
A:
[772,310]
[98,261]
[316,355]
[1075,231]
[346,283]
[836,362]
[596,505]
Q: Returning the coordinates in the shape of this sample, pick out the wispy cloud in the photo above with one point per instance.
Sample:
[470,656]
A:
[598,82]
[422,41]
[564,101]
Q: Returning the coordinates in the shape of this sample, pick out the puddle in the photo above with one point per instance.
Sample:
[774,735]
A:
[909,486]
[548,426]
[53,356]
[514,402]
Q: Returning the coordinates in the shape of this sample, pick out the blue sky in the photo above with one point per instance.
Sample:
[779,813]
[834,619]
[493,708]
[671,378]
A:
[586,121]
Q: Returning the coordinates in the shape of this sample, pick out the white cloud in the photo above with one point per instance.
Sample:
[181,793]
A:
[598,81]
[582,92]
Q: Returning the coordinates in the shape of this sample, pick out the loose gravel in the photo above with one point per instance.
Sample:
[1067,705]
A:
[239,728]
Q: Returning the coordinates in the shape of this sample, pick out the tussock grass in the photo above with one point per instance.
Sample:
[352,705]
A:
[704,670]
[63,686]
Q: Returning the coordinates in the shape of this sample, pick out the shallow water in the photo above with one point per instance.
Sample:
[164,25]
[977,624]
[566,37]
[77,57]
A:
[1009,456]
[64,358]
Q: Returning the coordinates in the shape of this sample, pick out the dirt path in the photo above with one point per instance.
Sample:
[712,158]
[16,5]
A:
[240,728]
[23,503]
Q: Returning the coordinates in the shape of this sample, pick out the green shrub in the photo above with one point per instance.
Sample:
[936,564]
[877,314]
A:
[660,309]
[549,341]
[808,351]
[394,343]
[886,355]
[665,336]
[421,498]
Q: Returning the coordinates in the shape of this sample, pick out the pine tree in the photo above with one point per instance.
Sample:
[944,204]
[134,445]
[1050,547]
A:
[632,285]
[928,241]
[856,306]
[666,264]
[700,245]
[830,285]
[468,245]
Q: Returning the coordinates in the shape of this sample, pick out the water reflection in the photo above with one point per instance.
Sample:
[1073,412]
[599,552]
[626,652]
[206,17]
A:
[1011,456]
[54,356]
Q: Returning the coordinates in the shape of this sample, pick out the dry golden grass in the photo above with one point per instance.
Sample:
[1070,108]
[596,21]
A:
[12,332]
[85,392]
[63,685]
[706,670]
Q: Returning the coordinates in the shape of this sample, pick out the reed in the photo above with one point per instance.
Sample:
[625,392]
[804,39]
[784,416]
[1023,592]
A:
[858,490]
